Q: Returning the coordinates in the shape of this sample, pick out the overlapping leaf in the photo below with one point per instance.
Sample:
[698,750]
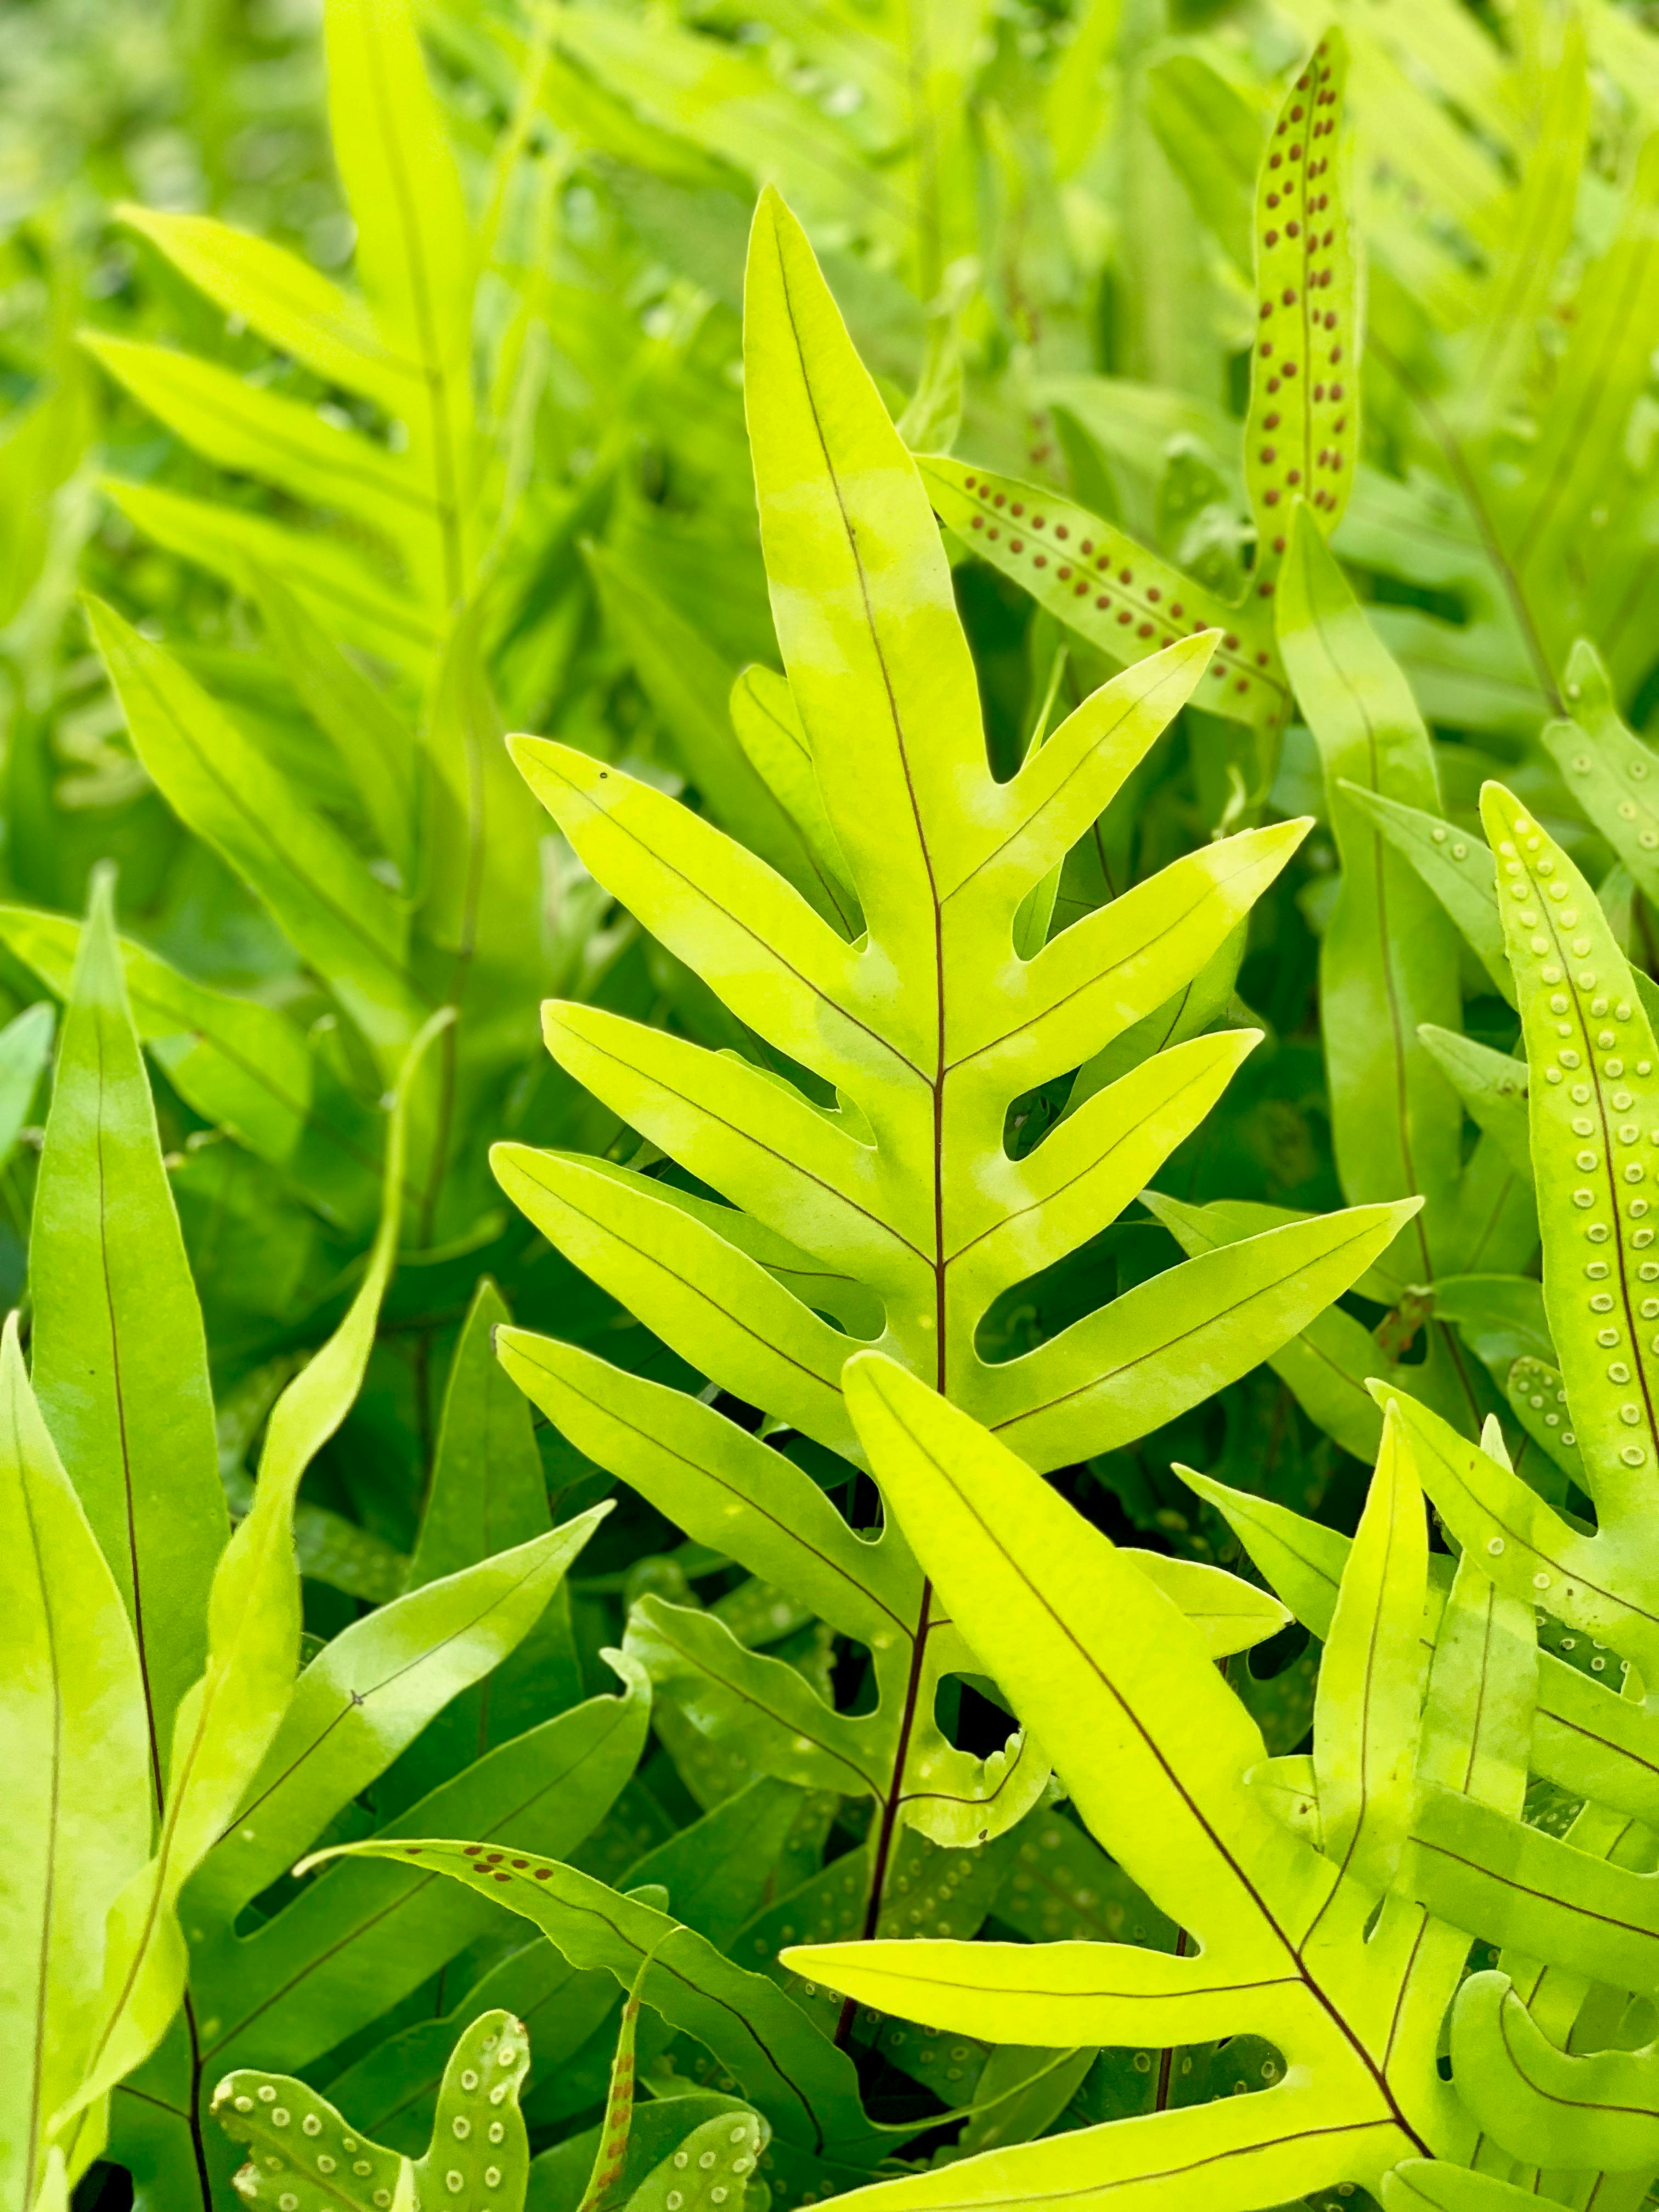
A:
[1156,1749]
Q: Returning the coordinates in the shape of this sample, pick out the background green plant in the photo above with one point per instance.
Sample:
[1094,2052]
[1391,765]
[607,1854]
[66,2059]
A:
[291,533]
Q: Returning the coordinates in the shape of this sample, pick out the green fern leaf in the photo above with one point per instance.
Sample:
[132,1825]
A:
[77,1721]
[228,1716]
[119,1353]
[1154,1749]
[305,2158]
[805,2088]
[927,1028]
[1301,434]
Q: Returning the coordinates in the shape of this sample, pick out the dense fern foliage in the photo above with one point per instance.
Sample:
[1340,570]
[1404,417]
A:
[828,1094]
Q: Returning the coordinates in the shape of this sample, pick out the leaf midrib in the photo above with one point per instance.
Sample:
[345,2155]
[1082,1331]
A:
[1115,1375]
[53,1820]
[356,1698]
[1087,1659]
[320,1959]
[905,1627]
[892,1798]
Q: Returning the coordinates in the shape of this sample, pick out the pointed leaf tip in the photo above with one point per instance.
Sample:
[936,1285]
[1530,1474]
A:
[101,882]
[99,955]
[1584,666]
[774,219]
[1498,809]
[869,1379]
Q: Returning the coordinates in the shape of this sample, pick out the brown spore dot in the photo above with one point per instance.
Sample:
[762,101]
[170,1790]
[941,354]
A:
[993,533]
[968,483]
[1289,368]
[1153,594]
[1040,562]
[1230,642]
[1288,295]
[1296,153]
[1124,616]
[412,1850]
[1265,591]
[1142,629]
[1243,684]
[1279,545]
[1036,522]
[1065,575]
[1177,610]
[1104,562]
[1272,384]
[1218,672]
[1268,452]
[1272,199]
[1001,499]
[979,522]
[1265,349]
[1016,545]
[1296,112]
[522,1862]
[502,1874]
[1319,392]
[1294,230]
[1126,575]
[1081,590]
[472,1850]
[1270,238]
[541,1873]
[1103,602]
[1336,392]
[1266,309]
[1271,495]
[1087,546]
[1262,660]
[1274,159]
[1060,530]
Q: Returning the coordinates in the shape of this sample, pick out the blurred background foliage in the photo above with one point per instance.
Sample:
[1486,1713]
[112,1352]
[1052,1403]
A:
[999,222]
[1037,219]
[1038,224]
